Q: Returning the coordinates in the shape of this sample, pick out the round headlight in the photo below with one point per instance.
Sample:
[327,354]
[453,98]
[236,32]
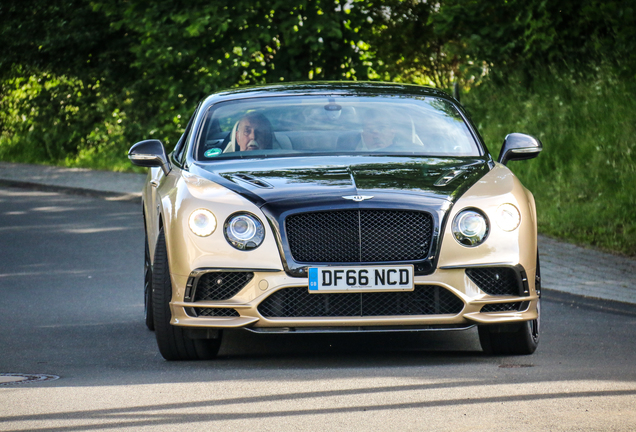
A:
[470,227]
[508,217]
[244,231]
[202,222]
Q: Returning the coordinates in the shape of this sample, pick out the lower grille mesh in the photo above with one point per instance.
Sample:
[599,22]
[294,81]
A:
[495,280]
[502,307]
[216,312]
[298,302]
[221,285]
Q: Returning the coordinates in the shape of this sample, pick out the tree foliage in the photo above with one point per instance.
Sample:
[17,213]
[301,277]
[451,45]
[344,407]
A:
[83,78]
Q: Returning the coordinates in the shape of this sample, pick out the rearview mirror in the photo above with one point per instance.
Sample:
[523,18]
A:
[518,146]
[150,153]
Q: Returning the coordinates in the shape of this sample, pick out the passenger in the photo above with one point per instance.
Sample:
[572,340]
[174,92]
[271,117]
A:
[252,132]
[379,133]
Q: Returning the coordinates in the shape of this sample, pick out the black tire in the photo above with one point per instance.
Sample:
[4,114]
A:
[148,316]
[508,339]
[513,339]
[173,343]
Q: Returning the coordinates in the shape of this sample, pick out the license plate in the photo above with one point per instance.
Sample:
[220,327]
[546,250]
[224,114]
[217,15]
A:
[384,278]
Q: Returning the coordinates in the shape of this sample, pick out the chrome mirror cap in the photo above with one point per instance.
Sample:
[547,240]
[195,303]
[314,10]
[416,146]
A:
[518,146]
[150,153]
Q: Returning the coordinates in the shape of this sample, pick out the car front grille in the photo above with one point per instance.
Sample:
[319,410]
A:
[221,285]
[495,280]
[348,236]
[298,302]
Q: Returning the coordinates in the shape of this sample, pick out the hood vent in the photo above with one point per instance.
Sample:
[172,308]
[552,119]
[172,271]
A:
[449,177]
[254,181]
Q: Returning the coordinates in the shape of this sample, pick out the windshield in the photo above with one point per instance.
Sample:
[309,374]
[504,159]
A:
[315,125]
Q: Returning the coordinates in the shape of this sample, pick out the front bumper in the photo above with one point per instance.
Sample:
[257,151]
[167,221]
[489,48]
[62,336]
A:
[475,306]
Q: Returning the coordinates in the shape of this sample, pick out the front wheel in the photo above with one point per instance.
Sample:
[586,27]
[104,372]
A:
[507,339]
[173,343]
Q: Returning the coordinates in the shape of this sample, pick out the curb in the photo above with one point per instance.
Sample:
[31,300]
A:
[585,302]
[108,195]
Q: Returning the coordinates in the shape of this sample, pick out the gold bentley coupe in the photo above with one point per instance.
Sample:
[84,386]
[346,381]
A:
[337,207]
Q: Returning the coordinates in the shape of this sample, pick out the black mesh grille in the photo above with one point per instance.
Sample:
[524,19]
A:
[216,312]
[221,285]
[359,236]
[495,280]
[502,307]
[298,302]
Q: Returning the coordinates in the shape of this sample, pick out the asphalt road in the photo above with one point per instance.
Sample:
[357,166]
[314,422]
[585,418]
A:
[71,306]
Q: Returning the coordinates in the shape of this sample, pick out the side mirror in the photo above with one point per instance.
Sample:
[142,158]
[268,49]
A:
[517,146]
[150,153]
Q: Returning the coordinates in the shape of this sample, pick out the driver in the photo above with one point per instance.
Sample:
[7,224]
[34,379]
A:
[252,132]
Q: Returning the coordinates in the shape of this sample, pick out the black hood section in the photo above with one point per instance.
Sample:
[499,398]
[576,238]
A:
[305,180]
[284,186]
